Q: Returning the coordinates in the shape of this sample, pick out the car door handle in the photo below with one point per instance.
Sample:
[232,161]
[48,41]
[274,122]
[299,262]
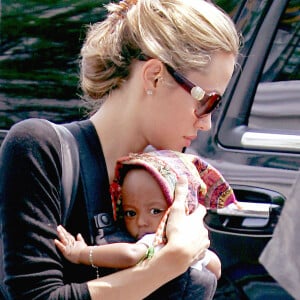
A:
[259,221]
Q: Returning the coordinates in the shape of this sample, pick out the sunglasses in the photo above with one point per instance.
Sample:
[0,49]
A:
[207,102]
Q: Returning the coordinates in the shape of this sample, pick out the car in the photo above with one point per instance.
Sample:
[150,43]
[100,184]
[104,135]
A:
[255,142]
[255,138]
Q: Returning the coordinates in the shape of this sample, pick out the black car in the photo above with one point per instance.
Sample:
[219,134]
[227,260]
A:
[255,142]
[255,139]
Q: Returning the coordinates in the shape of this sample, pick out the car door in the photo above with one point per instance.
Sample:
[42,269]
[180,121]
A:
[255,139]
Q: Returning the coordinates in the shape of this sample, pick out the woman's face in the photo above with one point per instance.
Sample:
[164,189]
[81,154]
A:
[172,123]
[143,203]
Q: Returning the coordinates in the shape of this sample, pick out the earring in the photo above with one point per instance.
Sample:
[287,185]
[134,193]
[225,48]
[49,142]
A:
[149,92]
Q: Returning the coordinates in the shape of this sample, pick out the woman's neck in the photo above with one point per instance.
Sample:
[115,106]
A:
[118,135]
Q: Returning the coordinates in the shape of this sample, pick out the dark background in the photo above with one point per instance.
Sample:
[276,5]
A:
[40,46]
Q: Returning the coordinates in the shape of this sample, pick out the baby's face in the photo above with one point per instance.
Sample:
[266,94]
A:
[143,203]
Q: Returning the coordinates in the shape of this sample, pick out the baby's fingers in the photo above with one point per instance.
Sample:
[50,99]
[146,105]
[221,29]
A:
[65,237]
[62,235]
[60,246]
[61,230]
[80,238]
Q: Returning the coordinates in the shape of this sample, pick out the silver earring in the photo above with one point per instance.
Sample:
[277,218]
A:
[149,92]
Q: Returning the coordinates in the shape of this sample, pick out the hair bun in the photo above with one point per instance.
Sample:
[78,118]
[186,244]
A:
[124,6]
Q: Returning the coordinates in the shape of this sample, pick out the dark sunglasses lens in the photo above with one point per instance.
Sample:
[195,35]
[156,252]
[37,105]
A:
[208,104]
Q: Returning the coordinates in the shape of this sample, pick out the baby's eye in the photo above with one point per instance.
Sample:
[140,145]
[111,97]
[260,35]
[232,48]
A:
[156,211]
[129,213]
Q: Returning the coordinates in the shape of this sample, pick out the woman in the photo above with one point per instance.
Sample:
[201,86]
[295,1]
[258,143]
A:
[136,62]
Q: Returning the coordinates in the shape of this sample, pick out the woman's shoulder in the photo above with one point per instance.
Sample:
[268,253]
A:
[31,127]
[31,134]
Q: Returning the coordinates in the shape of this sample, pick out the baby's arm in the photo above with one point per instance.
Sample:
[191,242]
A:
[214,264]
[211,261]
[117,255]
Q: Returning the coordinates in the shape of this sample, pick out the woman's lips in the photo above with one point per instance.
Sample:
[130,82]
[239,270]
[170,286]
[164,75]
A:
[188,140]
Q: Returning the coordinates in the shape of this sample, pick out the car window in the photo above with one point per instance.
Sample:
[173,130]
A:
[262,102]
[247,20]
[277,100]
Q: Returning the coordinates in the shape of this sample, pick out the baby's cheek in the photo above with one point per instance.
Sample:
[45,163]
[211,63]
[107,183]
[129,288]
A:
[131,228]
[156,224]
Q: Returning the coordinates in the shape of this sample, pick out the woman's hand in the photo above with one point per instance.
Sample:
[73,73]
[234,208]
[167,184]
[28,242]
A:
[70,247]
[186,233]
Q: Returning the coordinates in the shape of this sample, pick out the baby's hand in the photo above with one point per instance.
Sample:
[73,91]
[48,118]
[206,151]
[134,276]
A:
[68,245]
[238,204]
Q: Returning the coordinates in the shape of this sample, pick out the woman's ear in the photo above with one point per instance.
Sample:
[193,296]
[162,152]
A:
[152,72]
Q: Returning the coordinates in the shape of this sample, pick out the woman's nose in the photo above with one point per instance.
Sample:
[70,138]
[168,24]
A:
[204,123]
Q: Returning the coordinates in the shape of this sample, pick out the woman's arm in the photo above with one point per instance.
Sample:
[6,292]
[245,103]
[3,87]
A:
[30,172]
[117,255]
[187,241]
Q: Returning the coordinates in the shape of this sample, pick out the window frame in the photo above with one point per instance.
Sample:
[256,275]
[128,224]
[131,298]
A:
[232,132]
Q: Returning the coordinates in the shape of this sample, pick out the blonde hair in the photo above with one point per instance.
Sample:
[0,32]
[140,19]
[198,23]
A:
[183,34]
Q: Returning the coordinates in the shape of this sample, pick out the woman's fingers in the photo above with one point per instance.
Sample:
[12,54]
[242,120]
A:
[188,230]
[178,207]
